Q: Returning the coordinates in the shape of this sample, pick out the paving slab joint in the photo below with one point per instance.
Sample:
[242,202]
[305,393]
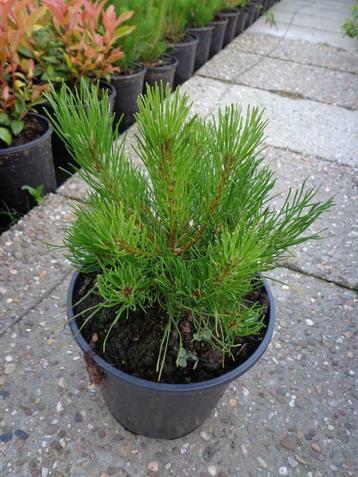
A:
[296,268]
[36,303]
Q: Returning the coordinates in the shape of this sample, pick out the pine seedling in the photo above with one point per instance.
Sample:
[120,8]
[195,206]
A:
[192,232]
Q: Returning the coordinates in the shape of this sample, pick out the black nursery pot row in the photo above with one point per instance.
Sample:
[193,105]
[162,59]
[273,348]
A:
[184,58]
[45,160]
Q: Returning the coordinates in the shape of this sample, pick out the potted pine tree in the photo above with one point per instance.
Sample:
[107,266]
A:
[25,137]
[242,16]
[199,16]
[182,45]
[161,66]
[229,12]
[80,39]
[168,303]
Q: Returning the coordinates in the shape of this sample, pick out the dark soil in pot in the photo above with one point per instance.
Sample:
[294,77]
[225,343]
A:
[155,409]
[241,21]
[28,161]
[62,159]
[217,39]
[202,51]
[163,71]
[133,345]
[184,52]
[231,26]
[128,86]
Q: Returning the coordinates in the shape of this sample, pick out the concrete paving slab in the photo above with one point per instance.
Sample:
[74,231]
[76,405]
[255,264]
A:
[298,80]
[300,32]
[314,7]
[302,52]
[303,126]
[73,188]
[293,32]
[336,257]
[304,20]
[332,24]
[28,268]
[293,414]
[205,94]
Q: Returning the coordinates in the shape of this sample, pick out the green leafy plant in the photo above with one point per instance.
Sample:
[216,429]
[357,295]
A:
[270,18]
[241,3]
[35,192]
[87,34]
[350,26]
[190,234]
[147,42]
[20,89]
[229,5]
[199,14]
[176,20]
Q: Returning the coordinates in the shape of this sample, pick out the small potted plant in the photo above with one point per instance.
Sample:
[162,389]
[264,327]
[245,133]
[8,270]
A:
[129,80]
[161,66]
[81,39]
[229,12]
[251,10]
[182,45]
[25,137]
[350,26]
[169,304]
[219,24]
[200,14]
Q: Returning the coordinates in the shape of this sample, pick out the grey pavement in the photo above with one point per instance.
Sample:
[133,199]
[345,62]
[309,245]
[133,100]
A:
[295,413]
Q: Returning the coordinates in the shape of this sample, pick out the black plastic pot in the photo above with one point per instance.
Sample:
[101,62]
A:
[184,52]
[204,35]
[162,72]
[231,26]
[61,157]
[251,11]
[217,38]
[26,164]
[160,410]
[241,21]
[259,9]
[128,87]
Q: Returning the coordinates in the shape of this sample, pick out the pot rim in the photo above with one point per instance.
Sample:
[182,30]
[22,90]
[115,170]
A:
[142,70]
[164,387]
[193,29]
[192,40]
[34,142]
[112,90]
[219,21]
[231,14]
[168,66]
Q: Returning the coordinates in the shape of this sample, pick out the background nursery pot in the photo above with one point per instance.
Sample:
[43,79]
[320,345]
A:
[231,26]
[27,164]
[251,12]
[202,51]
[217,39]
[184,52]
[163,72]
[241,21]
[160,410]
[128,87]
